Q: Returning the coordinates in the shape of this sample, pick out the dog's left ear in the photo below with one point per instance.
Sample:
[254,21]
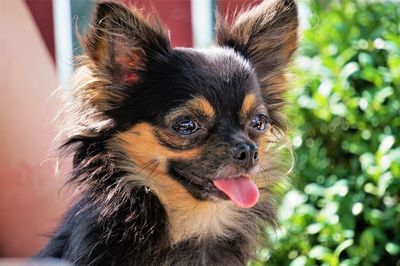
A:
[266,35]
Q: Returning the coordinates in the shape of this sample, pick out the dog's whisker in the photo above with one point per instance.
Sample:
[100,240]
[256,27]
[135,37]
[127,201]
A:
[152,171]
[148,164]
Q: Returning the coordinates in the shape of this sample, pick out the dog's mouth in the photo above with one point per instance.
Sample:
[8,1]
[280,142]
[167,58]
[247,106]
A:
[239,189]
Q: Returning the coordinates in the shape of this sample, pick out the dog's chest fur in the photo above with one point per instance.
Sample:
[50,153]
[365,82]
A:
[142,236]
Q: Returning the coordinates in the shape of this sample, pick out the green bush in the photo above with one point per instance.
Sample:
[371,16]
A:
[344,206]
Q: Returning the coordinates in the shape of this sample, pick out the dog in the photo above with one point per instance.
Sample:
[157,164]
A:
[174,149]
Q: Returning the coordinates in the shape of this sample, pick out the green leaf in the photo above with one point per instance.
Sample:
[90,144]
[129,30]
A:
[299,261]
[349,69]
[392,248]
[367,241]
[345,244]
[386,144]
[383,94]
[314,228]
[319,252]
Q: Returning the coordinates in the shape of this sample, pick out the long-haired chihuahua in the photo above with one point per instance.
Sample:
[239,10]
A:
[174,149]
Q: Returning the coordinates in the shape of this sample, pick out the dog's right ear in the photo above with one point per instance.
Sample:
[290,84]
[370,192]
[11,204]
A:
[120,41]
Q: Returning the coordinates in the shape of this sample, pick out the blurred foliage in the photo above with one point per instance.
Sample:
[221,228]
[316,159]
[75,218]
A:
[344,206]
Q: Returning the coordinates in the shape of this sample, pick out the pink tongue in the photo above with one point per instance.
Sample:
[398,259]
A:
[242,191]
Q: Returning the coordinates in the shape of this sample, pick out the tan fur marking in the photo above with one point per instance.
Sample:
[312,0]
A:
[198,106]
[248,103]
[143,147]
[202,105]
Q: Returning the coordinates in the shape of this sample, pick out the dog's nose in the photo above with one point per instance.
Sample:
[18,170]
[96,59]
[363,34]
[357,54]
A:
[245,154]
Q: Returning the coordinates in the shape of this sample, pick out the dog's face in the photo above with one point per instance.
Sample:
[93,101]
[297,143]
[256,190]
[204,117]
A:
[208,120]
[198,118]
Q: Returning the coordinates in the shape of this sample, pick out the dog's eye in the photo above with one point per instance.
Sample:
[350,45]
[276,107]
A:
[186,126]
[259,122]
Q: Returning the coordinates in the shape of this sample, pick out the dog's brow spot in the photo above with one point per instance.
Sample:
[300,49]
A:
[248,103]
[200,104]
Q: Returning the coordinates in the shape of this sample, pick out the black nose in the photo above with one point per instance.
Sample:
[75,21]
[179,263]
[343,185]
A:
[245,154]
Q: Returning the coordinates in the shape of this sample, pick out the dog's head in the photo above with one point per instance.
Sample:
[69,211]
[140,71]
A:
[198,119]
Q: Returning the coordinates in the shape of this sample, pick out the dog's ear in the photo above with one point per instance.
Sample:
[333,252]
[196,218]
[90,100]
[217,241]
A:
[120,41]
[266,35]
